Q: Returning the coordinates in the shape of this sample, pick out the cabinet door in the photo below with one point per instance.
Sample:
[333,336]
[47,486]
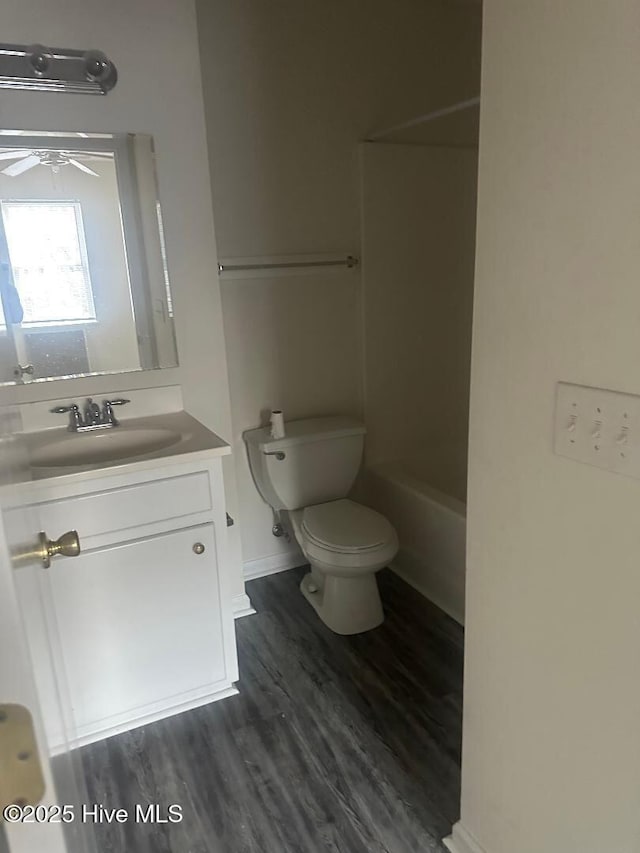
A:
[140,626]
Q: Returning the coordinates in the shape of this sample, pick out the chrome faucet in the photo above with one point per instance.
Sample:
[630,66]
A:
[93,417]
[92,414]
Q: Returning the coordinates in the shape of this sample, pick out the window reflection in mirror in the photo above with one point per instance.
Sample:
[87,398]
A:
[84,284]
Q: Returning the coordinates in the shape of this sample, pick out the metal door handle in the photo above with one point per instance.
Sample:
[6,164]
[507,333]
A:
[67,545]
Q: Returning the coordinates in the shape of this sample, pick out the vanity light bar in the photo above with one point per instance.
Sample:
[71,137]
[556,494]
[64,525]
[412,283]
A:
[44,69]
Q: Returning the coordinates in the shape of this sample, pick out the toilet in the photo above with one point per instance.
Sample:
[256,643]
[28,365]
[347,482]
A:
[308,474]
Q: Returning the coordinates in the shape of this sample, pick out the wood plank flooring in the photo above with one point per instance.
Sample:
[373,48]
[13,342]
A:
[342,744]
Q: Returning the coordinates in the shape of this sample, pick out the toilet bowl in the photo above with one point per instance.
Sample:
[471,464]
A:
[307,474]
[346,544]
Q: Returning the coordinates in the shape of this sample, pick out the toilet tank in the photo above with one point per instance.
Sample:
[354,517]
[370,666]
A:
[317,461]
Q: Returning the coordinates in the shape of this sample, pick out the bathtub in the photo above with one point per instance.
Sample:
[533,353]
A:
[425,502]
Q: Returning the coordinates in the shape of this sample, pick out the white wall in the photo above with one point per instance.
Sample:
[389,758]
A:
[551,757]
[292,344]
[418,214]
[154,45]
[290,88]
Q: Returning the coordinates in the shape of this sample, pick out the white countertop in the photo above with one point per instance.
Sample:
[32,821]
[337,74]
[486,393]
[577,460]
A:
[196,442]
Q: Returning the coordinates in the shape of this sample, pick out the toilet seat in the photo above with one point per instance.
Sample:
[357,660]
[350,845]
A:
[346,527]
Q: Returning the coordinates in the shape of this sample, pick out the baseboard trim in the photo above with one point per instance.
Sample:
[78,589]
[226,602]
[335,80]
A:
[273,564]
[424,590]
[242,606]
[461,841]
[178,704]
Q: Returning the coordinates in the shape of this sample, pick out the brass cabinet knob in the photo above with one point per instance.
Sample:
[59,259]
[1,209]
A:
[67,545]
[198,548]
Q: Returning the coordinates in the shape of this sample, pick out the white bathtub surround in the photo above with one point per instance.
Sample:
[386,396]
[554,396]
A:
[418,209]
[418,222]
[431,527]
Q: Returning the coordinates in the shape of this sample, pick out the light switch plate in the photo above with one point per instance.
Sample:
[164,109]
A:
[598,427]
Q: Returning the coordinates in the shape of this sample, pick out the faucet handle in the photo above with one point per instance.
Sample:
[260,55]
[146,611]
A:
[75,419]
[107,410]
[62,410]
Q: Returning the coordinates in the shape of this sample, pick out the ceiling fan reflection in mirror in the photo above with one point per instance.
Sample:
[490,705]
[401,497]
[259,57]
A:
[55,160]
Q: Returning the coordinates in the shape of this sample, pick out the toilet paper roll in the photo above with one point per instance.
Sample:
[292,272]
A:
[277,424]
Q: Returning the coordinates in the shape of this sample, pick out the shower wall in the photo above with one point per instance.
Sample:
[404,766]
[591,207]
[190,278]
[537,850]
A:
[418,215]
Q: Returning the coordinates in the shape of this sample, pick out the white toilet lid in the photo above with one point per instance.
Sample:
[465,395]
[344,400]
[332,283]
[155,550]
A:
[346,526]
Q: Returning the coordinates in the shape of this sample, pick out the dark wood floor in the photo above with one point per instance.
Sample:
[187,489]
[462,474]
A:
[346,744]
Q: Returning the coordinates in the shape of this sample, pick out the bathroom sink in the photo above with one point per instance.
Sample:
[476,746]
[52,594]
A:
[109,445]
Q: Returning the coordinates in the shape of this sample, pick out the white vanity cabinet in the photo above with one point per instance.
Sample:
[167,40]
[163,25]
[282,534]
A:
[144,614]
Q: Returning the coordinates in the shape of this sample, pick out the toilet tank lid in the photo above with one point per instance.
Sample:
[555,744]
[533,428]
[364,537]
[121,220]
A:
[305,431]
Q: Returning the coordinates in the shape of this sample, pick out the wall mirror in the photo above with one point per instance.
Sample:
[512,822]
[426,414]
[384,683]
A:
[84,285]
